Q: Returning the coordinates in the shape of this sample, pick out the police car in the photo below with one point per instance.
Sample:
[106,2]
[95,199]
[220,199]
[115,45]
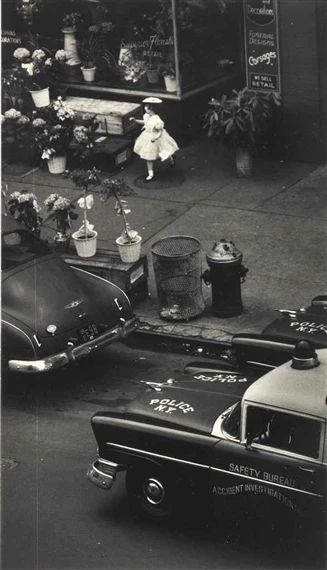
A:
[245,436]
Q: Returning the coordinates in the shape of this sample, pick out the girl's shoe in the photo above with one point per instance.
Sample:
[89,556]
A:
[172,162]
[149,178]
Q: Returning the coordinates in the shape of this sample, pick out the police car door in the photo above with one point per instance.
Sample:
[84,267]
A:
[274,455]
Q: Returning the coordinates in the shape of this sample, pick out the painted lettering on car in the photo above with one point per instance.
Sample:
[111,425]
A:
[258,474]
[168,406]
[229,378]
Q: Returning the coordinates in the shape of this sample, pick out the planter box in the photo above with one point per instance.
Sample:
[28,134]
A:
[113,116]
[110,153]
[130,277]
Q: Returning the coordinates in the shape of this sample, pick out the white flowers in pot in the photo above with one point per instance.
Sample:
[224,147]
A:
[85,238]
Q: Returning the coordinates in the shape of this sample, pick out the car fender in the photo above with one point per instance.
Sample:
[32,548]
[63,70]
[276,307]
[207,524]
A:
[97,283]
[17,339]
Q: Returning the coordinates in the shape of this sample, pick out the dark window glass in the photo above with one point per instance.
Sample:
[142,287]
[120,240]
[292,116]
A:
[20,247]
[232,423]
[283,431]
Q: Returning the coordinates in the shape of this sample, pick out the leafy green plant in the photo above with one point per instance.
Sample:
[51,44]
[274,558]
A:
[243,119]
[93,50]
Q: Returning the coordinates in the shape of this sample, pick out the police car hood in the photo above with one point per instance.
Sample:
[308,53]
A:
[192,402]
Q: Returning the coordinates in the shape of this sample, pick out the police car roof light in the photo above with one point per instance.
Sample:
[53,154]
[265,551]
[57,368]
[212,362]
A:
[304,356]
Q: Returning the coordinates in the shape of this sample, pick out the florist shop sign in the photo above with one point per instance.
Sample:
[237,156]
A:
[262,45]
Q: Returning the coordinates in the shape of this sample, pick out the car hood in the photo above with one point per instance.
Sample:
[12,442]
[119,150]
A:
[309,324]
[49,292]
[190,402]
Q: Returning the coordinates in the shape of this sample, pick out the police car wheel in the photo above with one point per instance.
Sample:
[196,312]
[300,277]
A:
[150,492]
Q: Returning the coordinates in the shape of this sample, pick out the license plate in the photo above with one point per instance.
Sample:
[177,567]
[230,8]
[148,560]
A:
[88,333]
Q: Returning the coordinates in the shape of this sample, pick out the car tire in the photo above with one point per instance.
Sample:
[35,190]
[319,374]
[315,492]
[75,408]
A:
[150,492]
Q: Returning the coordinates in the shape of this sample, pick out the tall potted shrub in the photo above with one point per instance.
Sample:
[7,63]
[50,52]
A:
[129,242]
[85,238]
[242,122]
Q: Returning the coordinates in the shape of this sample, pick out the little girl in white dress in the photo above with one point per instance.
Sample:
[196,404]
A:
[154,142]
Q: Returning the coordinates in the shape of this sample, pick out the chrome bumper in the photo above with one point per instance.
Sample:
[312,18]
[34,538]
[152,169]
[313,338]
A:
[102,473]
[74,353]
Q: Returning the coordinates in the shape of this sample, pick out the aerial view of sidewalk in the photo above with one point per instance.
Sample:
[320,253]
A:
[277,219]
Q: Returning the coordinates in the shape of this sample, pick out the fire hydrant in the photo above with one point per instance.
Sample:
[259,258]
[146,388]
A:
[225,274]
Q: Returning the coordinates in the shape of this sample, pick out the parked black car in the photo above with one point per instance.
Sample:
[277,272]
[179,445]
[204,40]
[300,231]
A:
[52,313]
[246,437]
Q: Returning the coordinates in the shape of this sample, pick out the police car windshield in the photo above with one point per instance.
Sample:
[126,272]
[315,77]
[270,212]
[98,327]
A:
[232,422]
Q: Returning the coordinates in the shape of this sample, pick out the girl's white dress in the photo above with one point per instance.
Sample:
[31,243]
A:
[162,147]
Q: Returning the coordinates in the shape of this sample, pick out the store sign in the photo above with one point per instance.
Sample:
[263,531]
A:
[262,45]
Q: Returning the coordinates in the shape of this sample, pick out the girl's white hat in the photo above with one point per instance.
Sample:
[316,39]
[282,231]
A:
[152,100]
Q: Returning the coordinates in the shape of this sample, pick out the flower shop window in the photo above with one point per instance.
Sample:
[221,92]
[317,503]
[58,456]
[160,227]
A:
[209,36]
[164,46]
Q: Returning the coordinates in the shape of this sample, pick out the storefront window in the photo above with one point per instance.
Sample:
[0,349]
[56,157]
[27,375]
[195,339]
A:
[161,46]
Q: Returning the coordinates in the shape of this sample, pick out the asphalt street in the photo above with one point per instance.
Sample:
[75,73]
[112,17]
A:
[53,518]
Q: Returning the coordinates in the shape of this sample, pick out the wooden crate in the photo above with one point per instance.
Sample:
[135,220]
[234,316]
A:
[110,153]
[113,116]
[130,277]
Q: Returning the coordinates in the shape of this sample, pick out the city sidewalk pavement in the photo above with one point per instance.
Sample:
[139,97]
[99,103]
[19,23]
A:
[277,219]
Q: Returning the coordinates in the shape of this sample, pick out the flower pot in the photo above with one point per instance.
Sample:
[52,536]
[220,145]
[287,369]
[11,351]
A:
[170,83]
[70,46]
[41,98]
[85,247]
[62,240]
[129,252]
[152,74]
[88,73]
[244,162]
[57,164]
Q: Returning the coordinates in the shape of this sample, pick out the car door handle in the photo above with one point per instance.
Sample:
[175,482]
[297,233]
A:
[307,469]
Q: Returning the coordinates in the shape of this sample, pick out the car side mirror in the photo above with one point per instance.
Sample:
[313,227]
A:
[248,442]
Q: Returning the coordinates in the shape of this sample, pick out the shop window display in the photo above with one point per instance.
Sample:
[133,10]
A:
[151,46]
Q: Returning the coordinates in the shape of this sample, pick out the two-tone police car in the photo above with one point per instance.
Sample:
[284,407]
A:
[226,435]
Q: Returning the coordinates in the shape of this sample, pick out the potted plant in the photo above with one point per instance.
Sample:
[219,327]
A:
[129,242]
[24,208]
[52,133]
[85,238]
[169,75]
[16,138]
[38,72]
[93,51]
[61,211]
[242,121]
[84,141]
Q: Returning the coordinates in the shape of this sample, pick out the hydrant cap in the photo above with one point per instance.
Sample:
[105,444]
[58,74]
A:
[224,251]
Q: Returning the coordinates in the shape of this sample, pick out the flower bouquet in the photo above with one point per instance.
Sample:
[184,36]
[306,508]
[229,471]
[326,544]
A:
[38,71]
[16,137]
[61,211]
[53,131]
[24,208]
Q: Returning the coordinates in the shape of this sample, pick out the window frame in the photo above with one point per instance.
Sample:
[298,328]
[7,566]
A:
[277,450]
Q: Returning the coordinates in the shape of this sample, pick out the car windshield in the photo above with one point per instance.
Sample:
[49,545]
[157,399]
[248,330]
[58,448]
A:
[20,247]
[232,422]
